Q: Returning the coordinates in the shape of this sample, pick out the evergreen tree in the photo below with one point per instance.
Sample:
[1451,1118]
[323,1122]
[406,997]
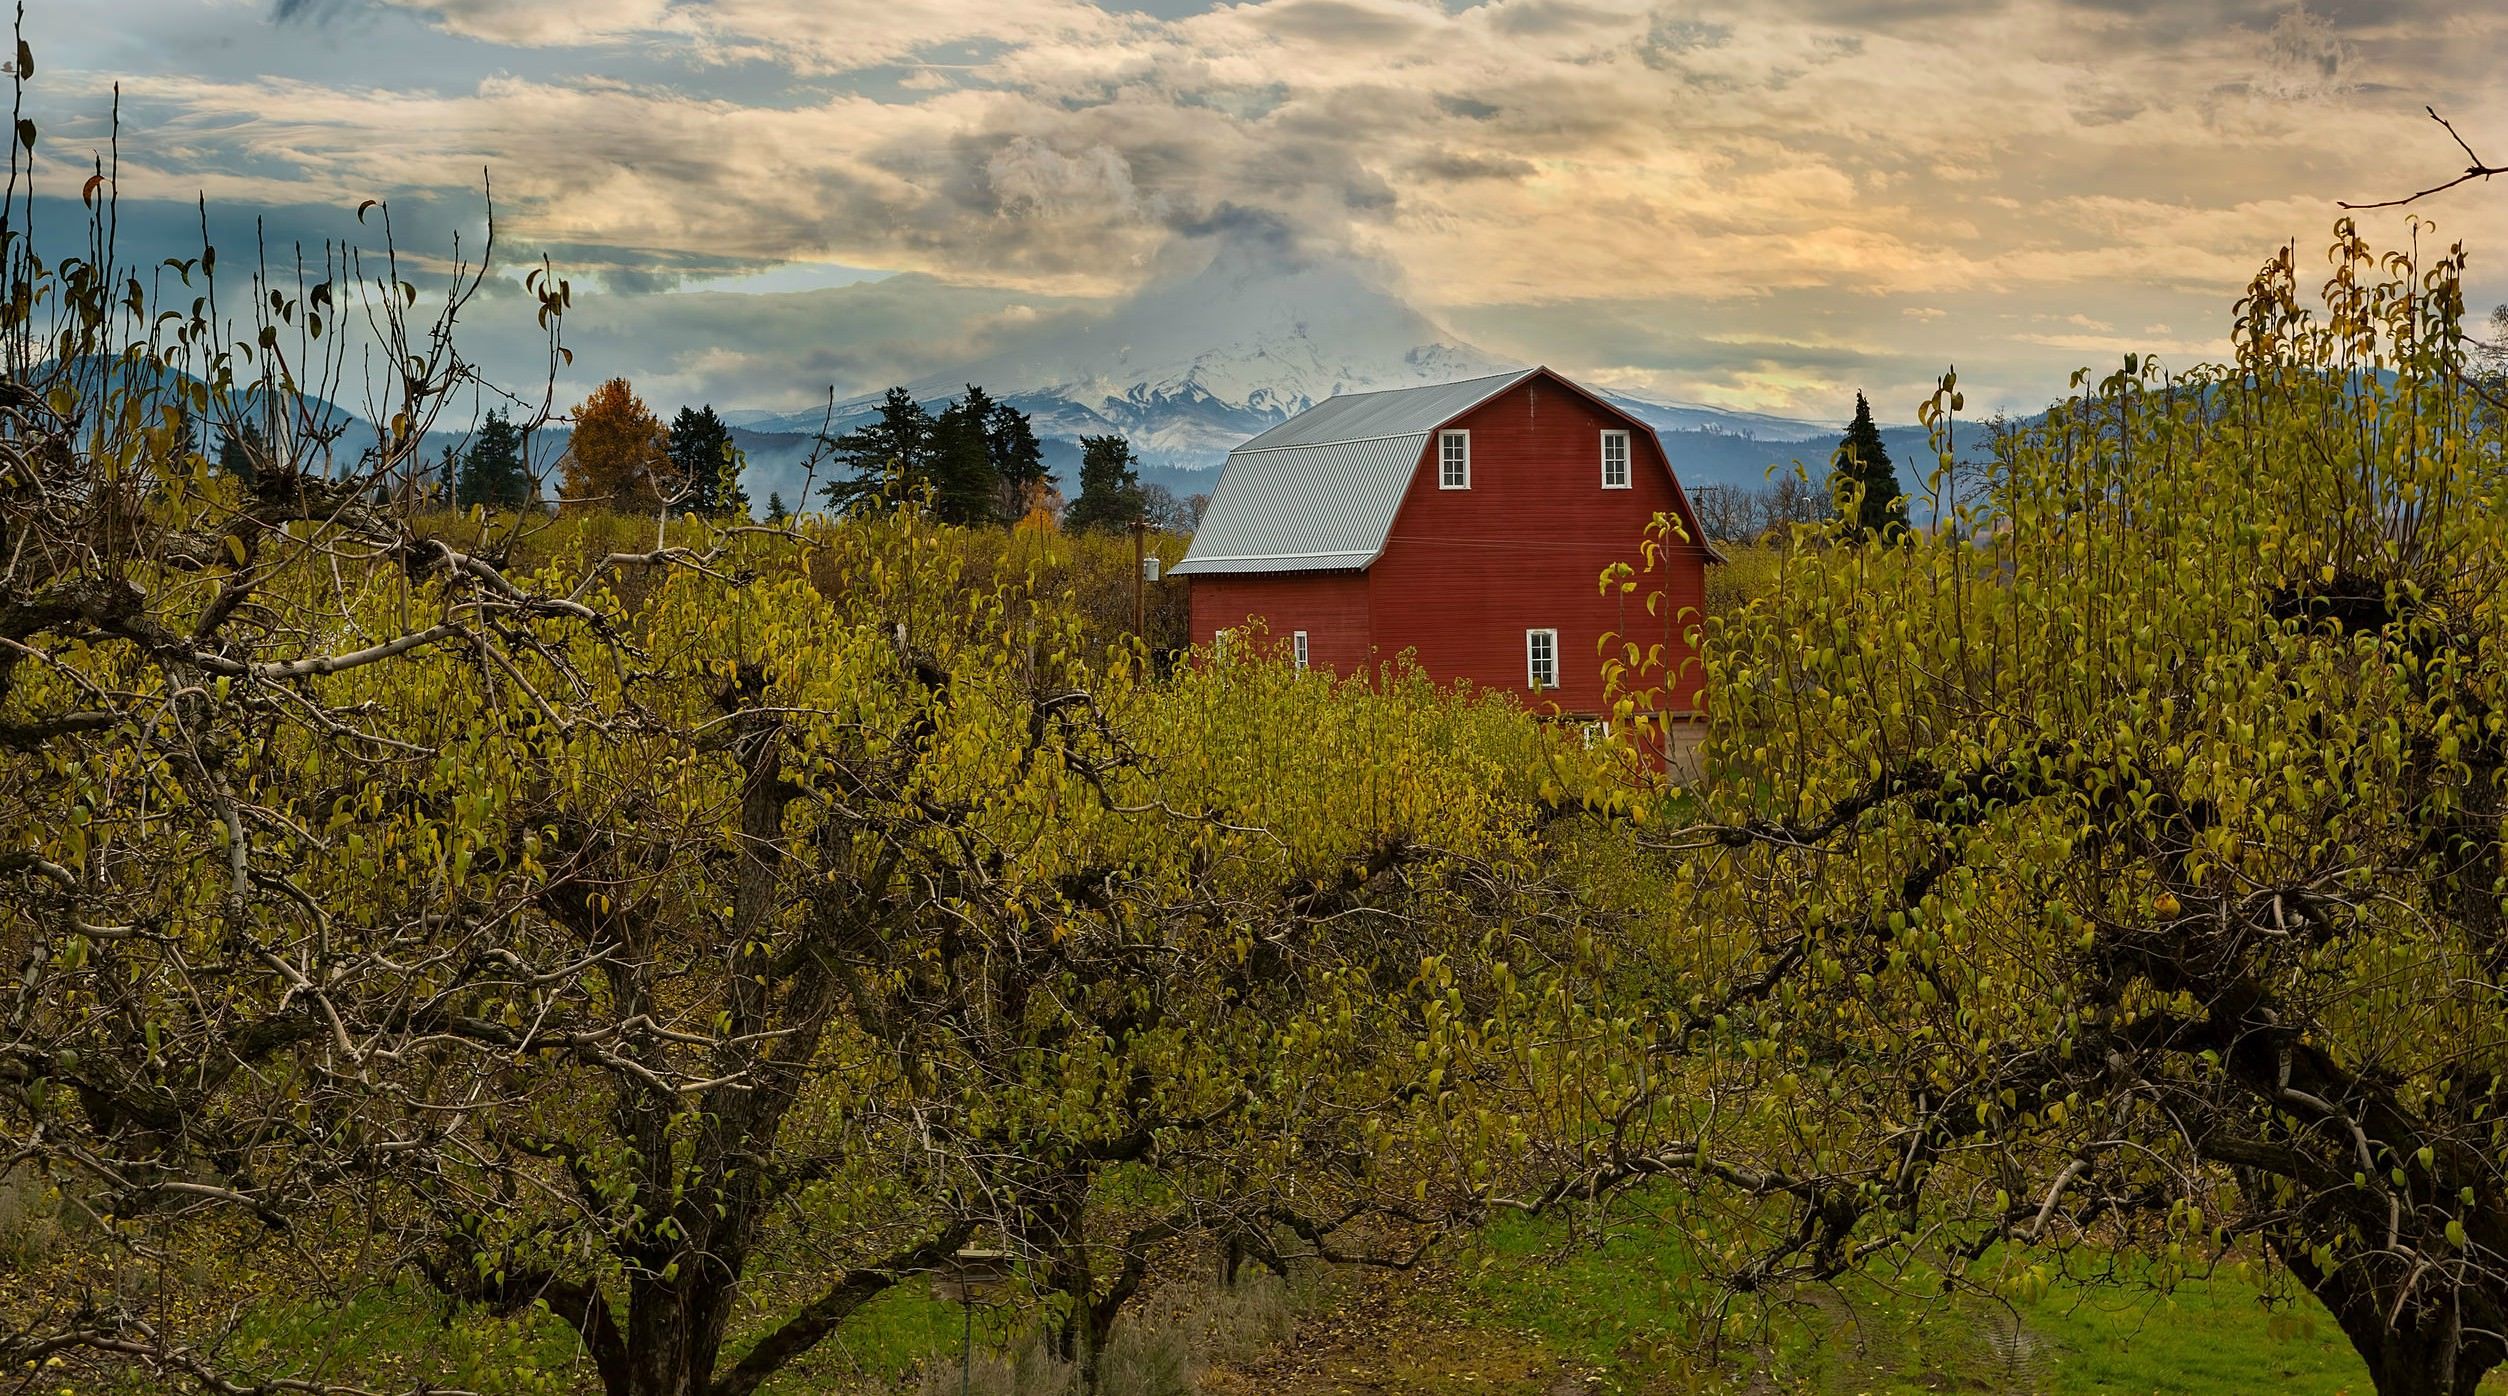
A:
[1018,461]
[1862,460]
[702,455]
[1110,486]
[978,462]
[183,438]
[492,474]
[775,511]
[437,485]
[889,456]
[241,452]
[965,487]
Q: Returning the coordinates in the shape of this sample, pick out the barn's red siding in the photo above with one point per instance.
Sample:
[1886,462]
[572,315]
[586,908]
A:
[1331,607]
[1465,573]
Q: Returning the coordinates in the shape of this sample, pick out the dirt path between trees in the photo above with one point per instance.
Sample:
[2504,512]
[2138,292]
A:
[1395,1335]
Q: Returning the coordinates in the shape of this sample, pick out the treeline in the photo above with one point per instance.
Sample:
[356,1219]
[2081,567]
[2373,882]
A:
[978,462]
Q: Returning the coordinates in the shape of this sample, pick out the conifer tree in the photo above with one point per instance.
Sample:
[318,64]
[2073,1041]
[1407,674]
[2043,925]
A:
[965,487]
[776,512]
[888,456]
[1110,486]
[1018,461]
[492,474]
[241,451]
[707,463]
[977,462]
[1862,461]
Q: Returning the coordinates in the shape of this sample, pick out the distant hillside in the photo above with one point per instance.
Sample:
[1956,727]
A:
[1189,369]
[1181,425]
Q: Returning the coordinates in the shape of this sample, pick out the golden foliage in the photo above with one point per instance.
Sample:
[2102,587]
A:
[618,458]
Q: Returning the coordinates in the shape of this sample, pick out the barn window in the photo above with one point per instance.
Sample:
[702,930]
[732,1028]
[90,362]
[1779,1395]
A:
[1297,649]
[1615,460]
[1541,659]
[1454,460]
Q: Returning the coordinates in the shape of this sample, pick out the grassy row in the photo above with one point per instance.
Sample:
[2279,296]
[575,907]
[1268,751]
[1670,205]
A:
[1614,1308]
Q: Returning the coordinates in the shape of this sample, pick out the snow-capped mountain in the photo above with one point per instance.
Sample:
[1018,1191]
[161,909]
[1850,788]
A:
[1188,369]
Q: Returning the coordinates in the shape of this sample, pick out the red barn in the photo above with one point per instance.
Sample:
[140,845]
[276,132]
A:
[1465,523]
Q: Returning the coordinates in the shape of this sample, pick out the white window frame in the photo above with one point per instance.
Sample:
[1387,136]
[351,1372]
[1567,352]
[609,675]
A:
[1297,649]
[1627,470]
[1464,439]
[1533,660]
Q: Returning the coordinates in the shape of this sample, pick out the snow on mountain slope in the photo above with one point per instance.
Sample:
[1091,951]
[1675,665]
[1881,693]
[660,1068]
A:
[1693,417]
[1191,367]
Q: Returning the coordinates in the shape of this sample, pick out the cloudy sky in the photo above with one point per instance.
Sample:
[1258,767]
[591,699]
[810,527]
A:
[1750,203]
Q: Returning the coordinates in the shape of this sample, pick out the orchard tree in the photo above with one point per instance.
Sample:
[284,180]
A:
[684,946]
[2121,871]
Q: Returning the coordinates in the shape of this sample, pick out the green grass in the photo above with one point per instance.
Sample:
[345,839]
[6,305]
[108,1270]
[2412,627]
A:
[1621,1308]
[400,1331]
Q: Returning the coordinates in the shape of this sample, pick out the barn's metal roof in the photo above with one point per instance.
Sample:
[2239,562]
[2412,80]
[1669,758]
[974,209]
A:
[1396,412]
[1319,491]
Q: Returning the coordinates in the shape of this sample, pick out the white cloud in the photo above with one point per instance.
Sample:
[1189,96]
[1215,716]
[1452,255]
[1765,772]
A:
[1719,155]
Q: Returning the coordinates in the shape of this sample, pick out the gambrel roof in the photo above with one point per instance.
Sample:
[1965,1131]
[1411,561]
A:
[1319,491]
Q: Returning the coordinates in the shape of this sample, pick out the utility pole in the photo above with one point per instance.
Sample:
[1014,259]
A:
[1140,580]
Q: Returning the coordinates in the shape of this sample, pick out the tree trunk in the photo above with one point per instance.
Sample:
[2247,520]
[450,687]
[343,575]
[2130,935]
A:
[2411,1330]
[1080,1339]
[675,1330]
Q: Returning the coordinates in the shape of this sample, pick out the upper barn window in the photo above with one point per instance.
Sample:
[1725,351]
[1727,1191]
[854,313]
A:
[1454,460]
[1615,460]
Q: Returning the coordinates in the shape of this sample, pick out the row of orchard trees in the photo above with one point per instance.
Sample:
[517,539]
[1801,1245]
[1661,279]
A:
[2111,887]
[687,942]
[682,940]
[690,944]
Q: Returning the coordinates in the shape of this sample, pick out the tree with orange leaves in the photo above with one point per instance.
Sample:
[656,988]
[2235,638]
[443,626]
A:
[619,456]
